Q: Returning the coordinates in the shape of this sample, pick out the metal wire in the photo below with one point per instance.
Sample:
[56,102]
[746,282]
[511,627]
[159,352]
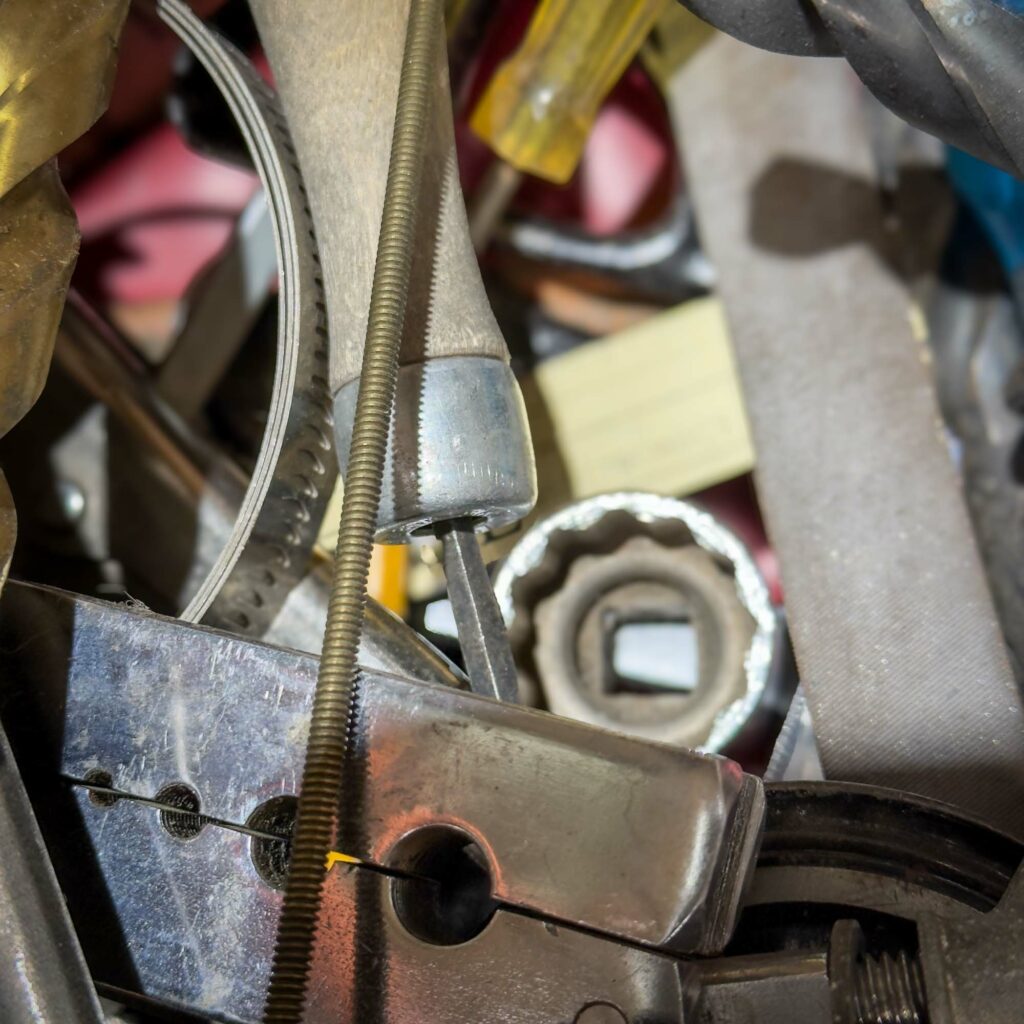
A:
[336,701]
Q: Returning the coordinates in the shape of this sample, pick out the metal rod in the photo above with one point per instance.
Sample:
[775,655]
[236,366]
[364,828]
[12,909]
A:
[485,649]
[43,975]
[92,352]
[336,701]
[491,200]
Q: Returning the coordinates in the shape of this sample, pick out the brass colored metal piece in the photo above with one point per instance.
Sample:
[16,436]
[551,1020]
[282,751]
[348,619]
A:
[335,703]
[38,247]
[56,70]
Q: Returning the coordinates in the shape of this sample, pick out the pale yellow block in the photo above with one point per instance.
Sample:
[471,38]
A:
[656,407]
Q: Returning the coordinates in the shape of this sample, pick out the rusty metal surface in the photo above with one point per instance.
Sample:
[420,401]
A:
[575,630]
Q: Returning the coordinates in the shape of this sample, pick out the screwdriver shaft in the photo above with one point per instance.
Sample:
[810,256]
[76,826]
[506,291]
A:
[482,636]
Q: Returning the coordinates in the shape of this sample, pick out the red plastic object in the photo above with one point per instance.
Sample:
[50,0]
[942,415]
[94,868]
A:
[153,216]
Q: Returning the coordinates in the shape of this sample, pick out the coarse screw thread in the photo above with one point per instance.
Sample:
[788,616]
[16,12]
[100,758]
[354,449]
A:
[336,699]
[889,990]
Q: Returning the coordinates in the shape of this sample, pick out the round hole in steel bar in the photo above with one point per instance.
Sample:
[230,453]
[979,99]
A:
[184,822]
[98,777]
[271,857]
[600,1013]
[449,901]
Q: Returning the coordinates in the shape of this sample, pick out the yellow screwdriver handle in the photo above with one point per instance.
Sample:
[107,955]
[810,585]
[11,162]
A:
[537,110]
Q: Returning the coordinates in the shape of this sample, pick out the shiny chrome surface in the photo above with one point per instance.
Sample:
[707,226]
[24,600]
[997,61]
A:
[154,701]
[517,971]
[459,446]
[482,637]
[388,644]
[43,977]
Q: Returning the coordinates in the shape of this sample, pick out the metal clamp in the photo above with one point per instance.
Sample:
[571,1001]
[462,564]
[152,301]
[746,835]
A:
[589,838]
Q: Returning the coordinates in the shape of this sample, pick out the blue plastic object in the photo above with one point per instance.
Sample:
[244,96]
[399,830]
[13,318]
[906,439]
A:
[995,197]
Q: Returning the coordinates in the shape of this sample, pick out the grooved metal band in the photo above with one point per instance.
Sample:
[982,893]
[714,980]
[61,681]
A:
[267,553]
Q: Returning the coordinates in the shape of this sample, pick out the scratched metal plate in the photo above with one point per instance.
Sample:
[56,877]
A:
[638,841]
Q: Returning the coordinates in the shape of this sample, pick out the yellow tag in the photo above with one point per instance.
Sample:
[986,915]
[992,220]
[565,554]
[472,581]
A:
[655,407]
[340,858]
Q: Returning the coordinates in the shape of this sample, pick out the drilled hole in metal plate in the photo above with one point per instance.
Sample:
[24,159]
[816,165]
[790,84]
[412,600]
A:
[600,1013]
[271,857]
[98,777]
[449,901]
[185,822]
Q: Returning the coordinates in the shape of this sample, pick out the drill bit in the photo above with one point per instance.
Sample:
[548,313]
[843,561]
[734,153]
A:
[335,703]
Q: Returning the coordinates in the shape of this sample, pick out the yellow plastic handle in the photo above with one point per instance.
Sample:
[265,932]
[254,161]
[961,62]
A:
[537,110]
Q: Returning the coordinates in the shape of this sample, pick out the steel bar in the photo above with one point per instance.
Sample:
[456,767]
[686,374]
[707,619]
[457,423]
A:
[482,635]
[643,844]
[43,977]
[893,626]
[222,309]
[102,363]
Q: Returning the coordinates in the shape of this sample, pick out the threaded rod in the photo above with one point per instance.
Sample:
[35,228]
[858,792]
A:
[889,990]
[336,700]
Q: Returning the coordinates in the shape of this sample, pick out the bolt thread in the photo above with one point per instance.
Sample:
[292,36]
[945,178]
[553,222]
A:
[889,990]
[335,705]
